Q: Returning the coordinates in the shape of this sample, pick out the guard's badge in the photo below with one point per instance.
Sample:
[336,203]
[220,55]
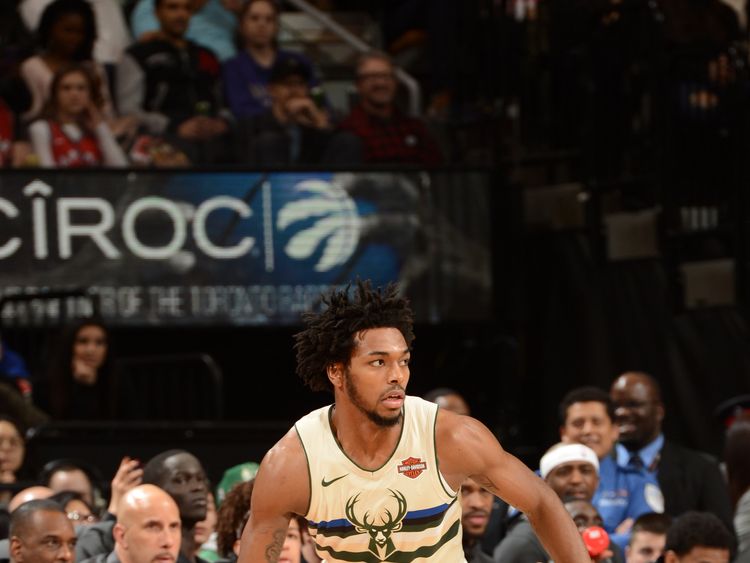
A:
[654,497]
[412,467]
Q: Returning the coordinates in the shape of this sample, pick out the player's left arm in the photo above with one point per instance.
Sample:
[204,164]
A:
[466,448]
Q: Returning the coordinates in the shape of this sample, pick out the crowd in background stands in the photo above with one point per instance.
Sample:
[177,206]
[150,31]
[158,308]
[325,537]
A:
[613,469]
[200,82]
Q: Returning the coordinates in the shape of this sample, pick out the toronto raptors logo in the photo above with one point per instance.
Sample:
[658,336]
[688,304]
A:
[412,467]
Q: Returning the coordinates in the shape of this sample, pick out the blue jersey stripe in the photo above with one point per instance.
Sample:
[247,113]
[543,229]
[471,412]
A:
[412,515]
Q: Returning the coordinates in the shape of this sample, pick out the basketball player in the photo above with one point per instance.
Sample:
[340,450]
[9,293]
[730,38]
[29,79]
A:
[376,474]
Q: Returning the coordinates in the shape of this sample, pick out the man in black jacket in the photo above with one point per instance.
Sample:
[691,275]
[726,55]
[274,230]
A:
[689,480]
[296,129]
[172,86]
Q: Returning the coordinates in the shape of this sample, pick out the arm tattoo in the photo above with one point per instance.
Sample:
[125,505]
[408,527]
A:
[273,549]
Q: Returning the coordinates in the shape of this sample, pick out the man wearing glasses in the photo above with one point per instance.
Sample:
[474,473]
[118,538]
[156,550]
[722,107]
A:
[387,135]
[689,480]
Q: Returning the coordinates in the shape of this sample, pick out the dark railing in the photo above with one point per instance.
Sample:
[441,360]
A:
[169,387]
[219,445]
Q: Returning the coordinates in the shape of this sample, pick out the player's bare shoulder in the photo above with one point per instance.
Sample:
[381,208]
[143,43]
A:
[452,430]
[463,445]
[283,473]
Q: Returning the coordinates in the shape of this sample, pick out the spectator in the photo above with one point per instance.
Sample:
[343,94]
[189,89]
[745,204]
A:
[97,538]
[295,130]
[16,41]
[246,75]
[496,528]
[15,390]
[291,550]
[7,134]
[67,475]
[476,505]
[40,532]
[73,132]
[448,399]
[66,35]
[112,34]
[388,136]
[688,479]
[239,473]
[13,370]
[205,532]
[171,85]
[571,470]
[147,530]
[647,538]
[16,45]
[697,537]
[7,137]
[585,516]
[212,26]
[232,517]
[29,494]
[14,149]
[587,417]
[181,475]
[79,512]
[12,453]
[737,459]
[77,386]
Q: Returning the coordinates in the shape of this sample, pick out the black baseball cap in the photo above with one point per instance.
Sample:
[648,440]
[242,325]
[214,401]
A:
[287,67]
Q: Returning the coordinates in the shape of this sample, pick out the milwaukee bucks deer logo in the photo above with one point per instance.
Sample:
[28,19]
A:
[381,543]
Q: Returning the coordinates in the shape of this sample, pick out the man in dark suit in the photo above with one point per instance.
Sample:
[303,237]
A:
[689,480]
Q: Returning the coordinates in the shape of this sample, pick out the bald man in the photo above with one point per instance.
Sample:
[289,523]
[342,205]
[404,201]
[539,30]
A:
[182,476]
[148,528]
[689,480]
[30,493]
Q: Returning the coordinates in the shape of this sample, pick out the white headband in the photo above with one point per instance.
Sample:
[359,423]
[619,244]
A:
[566,454]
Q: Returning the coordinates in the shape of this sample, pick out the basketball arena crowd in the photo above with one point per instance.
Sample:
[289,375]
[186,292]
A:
[182,83]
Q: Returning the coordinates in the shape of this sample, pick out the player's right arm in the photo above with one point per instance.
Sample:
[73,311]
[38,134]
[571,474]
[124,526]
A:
[282,488]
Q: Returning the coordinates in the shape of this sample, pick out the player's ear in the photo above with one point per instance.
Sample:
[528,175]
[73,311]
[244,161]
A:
[336,374]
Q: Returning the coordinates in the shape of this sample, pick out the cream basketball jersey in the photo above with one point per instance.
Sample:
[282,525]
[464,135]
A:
[402,512]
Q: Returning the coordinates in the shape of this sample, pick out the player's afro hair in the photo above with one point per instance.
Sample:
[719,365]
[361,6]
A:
[330,335]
